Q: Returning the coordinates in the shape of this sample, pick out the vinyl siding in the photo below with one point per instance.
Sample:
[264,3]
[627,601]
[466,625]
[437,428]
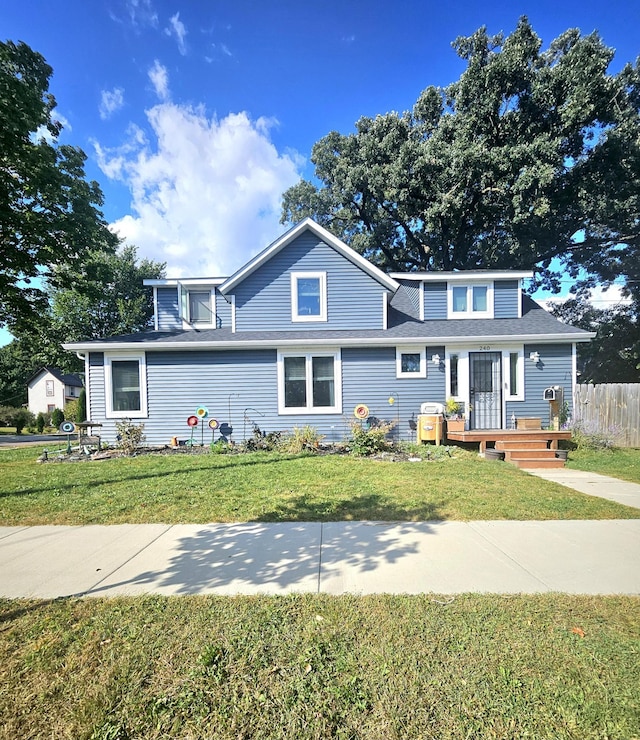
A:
[435,301]
[411,289]
[168,309]
[506,294]
[238,384]
[263,299]
[378,367]
[555,368]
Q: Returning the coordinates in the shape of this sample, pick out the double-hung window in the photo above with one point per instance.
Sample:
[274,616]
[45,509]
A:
[309,382]
[470,301]
[308,296]
[125,385]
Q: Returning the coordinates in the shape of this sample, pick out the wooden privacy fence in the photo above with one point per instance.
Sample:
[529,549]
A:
[610,407]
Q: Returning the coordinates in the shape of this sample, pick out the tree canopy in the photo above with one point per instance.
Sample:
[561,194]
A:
[531,155]
[49,212]
[107,298]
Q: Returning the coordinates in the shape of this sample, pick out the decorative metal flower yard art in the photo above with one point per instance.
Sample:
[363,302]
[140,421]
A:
[213,425]
[192,422]
[202,412]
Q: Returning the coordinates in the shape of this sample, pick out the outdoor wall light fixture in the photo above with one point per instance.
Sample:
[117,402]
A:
[535,357]
[435,359]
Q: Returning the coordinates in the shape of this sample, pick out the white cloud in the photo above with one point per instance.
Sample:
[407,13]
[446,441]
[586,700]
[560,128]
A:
[601,298]
[42,132]
[177,28]
[137,13]
[110,102]
[206,192]
[160,80]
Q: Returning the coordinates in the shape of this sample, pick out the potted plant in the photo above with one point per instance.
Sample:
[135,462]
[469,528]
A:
[454,411]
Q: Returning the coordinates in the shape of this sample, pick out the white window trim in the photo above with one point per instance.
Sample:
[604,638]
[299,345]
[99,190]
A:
[506,373]
[422,351]
[184,306]
[110,412]
[470,313]
[337,380]
[295,276]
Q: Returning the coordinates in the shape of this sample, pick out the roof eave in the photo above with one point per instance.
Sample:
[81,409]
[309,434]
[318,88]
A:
[345,342]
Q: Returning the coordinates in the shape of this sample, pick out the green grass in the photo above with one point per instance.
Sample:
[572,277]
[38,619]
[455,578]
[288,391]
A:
[274,487]
[618,463]
[392,667]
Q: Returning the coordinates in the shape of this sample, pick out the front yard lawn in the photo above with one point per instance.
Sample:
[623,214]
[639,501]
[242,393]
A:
[203,488]
[618,463]
[298,667]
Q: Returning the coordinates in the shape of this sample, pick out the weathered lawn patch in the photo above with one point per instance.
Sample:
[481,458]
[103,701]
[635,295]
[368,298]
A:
[320,666]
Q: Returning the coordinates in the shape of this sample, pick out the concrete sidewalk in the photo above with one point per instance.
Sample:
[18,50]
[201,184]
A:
[593,484]
[581,557]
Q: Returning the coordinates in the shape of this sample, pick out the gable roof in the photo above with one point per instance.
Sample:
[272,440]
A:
[308,224]
[67,378]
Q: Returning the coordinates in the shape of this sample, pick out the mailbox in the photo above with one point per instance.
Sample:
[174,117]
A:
[549,394]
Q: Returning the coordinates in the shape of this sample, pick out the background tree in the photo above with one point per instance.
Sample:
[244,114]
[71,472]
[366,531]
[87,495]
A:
[613,355]
[108,298]
[531,155]
[49,212]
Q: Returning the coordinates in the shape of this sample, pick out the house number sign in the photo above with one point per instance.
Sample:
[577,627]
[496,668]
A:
[485,348]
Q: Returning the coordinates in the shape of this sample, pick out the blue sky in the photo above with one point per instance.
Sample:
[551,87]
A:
[196,116]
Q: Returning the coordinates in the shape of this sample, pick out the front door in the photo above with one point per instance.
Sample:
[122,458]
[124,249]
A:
[485,384]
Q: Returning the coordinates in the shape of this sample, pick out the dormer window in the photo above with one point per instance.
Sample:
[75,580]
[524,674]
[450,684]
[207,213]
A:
[199,307]
[470,301]
[308,296]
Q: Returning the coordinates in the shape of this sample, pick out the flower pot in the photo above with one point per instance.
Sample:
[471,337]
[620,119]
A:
[455,425]
[562,454]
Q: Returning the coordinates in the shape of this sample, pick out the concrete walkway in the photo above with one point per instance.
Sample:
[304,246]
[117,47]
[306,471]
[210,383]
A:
[593,484]
[581,557]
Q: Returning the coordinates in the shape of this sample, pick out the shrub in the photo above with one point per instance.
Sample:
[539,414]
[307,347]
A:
[301,439]
[19,418]
[81,408]
[70,409]
[130,436]
[590,436]
[41,422]
[57,417]
[369,440]
[262,441]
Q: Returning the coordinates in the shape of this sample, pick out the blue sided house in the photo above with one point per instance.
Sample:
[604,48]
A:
[308,330]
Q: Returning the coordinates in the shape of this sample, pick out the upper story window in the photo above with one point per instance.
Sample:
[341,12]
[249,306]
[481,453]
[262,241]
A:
[49,387]
[470,301]
[308,296]
[199,307]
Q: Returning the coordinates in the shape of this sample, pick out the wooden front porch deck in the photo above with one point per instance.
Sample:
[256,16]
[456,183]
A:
[489,436]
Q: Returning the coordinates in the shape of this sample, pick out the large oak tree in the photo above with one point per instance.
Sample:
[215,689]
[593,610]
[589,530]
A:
[531,155]
[50,214]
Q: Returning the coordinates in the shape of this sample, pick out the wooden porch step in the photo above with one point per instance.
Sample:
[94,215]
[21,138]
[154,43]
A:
[532,462]
[539,454]
[521,444]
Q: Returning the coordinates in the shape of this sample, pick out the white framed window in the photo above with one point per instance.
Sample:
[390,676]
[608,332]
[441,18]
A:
[125,385]
[308,296]
[310,382]
[470,301]
[513,373]
[411,362]
[49,388]
[198,307]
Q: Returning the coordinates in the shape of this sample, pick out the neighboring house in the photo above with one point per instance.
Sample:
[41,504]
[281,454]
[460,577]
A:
[50,389]
[308,329]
